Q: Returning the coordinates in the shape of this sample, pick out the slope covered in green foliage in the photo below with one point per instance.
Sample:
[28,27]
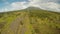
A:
[30,21]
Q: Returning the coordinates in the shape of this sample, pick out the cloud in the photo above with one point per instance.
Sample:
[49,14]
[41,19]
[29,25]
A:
[42,4]
[50,6]
[19,5]
[15,6]
[46,4]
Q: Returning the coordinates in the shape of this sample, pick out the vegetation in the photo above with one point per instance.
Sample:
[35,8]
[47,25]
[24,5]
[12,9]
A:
[30,21]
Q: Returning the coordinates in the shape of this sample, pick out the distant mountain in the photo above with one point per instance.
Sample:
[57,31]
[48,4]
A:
[33,8]
[31,20]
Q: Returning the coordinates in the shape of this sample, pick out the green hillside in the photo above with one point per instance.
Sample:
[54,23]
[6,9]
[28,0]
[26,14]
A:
[30,21]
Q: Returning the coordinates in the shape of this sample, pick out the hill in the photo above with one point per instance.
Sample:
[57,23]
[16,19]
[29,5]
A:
[30,21]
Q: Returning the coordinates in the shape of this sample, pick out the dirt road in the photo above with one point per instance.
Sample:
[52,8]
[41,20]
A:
[15,26]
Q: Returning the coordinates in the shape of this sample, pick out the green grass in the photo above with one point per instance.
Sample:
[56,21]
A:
[36,22]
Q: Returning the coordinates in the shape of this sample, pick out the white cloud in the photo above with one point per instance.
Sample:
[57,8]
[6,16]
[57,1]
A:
[19,5]
[50,6]
[46,4]
[15,6]
[43,4]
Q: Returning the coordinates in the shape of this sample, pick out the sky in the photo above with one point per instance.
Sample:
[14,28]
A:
[9,5]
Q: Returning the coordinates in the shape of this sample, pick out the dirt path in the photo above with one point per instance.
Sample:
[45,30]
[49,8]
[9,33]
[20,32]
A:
[15,26]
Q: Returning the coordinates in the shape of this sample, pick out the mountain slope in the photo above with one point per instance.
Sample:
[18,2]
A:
[30,21]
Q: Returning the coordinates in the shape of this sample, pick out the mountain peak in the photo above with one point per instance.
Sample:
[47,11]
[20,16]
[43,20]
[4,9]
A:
[33,8]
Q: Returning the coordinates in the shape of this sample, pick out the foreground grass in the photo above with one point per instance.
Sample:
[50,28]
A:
[34,21]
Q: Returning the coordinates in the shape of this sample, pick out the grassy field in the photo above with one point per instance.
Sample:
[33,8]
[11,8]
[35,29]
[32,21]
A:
[30,21]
